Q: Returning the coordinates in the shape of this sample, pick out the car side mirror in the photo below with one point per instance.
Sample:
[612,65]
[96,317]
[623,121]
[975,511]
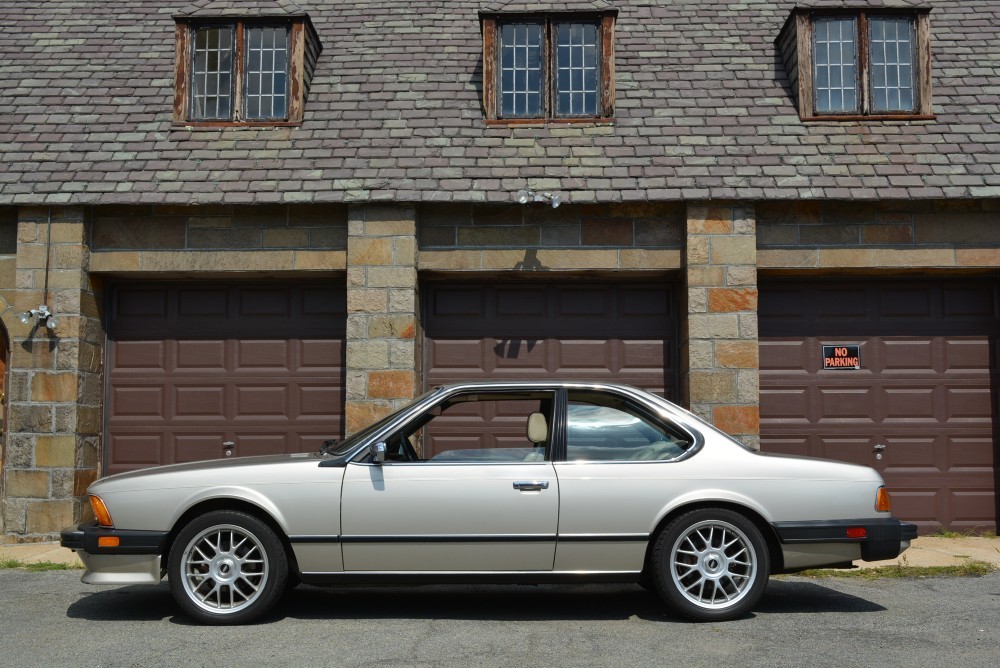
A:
[377,451]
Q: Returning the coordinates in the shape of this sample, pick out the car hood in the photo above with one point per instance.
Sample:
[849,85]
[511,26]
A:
[239,469]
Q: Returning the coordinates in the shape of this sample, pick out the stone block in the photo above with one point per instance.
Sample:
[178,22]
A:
[639,258]
[369,251]
[737,419]
[357,277]
[403,301]
[368,354]
[364,300]
[715,220]
[55,451]
[732,299]
[115,261]
[706,276]
[607,232]
[319,260]
[887,257]
[88,420]
[659,233]
[27,484]
[698,250]
[734,250]
[830,235]
[800,212]
[286,238]
[392,277]
[737,354]
[15,515]
[29,418]
[978,257]
[713,387]
[713,326]
[697,300]
[357,385]
[82,479]
[392,327]
[131,234]
[577,259]
[404,251]
[450,260]
[499,236]
[438,236]
[402,354]
[360,414]
[391,385]
[886,234]
[332,237]
[389,228]
[54,387]
[49,516]
[794,258]
[700,354]
[741,276]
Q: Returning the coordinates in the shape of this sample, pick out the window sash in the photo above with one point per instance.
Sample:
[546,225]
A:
[266,73]
[212,73]
[577,84]
[835,65]
[522,69]
[891,64]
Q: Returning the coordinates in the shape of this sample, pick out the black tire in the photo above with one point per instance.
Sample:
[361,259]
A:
[227,567]
[711,564]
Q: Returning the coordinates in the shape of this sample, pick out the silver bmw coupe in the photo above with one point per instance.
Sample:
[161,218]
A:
[492,482]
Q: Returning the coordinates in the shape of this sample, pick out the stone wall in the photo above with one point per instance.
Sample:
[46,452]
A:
[54,394]
[536,237]
[719,335]
[381,313]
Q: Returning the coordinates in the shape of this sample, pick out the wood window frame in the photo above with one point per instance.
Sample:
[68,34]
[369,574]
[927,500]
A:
[605,22]
[804,27]
[184,44]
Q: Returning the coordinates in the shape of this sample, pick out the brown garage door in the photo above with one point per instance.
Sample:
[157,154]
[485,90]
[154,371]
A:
[616,332]
[924,390]
[193,366]
[620,332]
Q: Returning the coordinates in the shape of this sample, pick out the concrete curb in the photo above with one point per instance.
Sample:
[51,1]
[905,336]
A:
[925,551]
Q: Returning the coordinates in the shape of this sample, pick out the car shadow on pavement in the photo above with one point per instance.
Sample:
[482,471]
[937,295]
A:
[474,602]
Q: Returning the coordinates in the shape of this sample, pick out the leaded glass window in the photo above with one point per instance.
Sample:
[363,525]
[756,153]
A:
[212,73]
[521,70]
[835,58]
[576,69]
[267,73]
[548,68]
[891,63]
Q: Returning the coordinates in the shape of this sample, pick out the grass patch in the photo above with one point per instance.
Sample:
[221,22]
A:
[970,568]
[38,566]
[945,533]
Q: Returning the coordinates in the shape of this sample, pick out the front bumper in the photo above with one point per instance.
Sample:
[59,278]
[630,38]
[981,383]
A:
[882,539]
[135,560]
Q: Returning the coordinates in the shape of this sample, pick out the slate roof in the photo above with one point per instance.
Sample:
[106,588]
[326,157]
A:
[394,113]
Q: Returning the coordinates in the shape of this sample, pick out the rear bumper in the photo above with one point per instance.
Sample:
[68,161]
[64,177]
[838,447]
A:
[881,539]
[135,560]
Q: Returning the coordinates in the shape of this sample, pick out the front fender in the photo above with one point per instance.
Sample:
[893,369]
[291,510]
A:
[230,492]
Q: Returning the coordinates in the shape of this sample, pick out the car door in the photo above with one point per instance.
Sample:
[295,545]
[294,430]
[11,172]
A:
[492,506]
[618,468]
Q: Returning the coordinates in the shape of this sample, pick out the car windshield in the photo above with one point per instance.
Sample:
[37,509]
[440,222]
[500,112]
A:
[353,440]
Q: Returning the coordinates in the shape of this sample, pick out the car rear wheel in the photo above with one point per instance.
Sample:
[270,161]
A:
[711,564]
[227,567]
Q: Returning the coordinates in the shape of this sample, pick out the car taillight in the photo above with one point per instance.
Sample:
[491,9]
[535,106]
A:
[882,504]
[101,511]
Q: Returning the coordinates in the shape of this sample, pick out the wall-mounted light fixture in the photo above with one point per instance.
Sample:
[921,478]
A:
[44,315]
[525,196]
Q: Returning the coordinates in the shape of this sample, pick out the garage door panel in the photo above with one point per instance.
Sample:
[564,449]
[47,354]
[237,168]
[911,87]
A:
[928,356]
[145,401]
[597,356]
[199,402]
[227,356]
[261,402]
[144,356]
[134,451]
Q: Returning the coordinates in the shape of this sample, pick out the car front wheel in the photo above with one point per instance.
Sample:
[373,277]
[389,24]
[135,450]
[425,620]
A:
[227,567]
[711,564]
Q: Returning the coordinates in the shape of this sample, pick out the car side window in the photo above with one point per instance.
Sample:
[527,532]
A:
[607,428]
[504,427]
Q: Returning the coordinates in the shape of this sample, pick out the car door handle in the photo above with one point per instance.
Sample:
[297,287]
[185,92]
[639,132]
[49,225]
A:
[531,485]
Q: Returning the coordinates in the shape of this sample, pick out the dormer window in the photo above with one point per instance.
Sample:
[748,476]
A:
[243,72]
[557,68]
[847,65]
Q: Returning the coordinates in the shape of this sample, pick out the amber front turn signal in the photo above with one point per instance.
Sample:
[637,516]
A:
[108,541]
[101,511]
[882,504]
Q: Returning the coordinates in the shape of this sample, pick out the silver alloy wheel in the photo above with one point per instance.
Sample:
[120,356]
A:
[713,564]
[225,569]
